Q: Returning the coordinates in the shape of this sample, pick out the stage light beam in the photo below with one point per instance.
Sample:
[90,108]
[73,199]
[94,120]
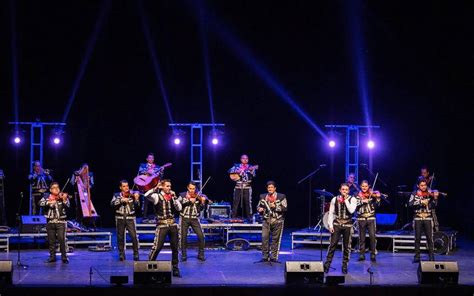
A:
[371,144]
[332,144]
[177,141]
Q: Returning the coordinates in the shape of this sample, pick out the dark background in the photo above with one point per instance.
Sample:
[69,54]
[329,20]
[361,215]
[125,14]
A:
[418,58]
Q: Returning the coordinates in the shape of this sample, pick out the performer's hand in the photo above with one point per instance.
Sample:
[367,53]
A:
[331,230]
[136,195]
[436,194]
[260,210]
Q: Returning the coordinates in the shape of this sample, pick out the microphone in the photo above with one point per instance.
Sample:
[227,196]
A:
[322,165]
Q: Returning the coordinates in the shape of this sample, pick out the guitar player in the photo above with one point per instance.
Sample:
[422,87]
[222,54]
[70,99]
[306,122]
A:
[149,168]
[242,173]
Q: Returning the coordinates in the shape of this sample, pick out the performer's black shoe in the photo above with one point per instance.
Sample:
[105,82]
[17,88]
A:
[50,260]
[65,261]
[122,257]
[274,260]
[344,268]
[184,258]
[416,259]
[263,260]
[201,257]
[361,257]
[372,258]
[176,272]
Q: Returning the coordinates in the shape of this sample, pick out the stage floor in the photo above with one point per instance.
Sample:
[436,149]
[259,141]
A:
[227,268]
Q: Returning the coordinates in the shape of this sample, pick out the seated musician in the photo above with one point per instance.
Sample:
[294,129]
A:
[149,168]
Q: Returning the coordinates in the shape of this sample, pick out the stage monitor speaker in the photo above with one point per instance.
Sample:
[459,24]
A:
[6,269]
[152,272]
[32,224]
[304,272]
[438,272]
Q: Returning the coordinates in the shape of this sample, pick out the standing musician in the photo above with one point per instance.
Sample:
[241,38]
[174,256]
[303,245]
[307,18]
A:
[166,206]
[367,202]
[55,204]
[426,176]
[242,173]
[192,204]
[272,206]
[423,202]
[341,209]
[124,204]
[149,168]
[353,186]
[40,180]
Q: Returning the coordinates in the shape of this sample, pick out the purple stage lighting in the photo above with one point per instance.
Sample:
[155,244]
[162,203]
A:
[17,140]
[177,141]
[56,140]
[215,141]
[332,144]
[371,144]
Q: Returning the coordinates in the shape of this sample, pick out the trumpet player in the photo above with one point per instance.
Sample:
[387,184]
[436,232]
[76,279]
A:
[124,203]
[40,179]
[54,205]
[272,206]
[192,204]
[166,206]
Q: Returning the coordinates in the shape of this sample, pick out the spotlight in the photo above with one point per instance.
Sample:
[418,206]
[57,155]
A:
[177,137]
[215,141]
[216,136]
[177,141]
[371,144]
[332,144]
[57,137]
[17,137]
[17,140]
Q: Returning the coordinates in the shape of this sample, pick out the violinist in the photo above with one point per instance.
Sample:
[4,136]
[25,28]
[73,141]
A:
[426,176]
[367,202]
[124,203]
[423,202]
[166,206]
[243,187]
[341,210]
[353,186]
[54,205]
[192,203]
[40,179]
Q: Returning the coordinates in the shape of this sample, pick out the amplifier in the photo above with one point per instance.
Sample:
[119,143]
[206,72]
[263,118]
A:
[219,211]
[304,272]
[151,272]
[32,224]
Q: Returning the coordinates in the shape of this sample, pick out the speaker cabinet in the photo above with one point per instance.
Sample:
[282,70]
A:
[304,272]
[32,224]
[152,272]
[6,268]
[438,272]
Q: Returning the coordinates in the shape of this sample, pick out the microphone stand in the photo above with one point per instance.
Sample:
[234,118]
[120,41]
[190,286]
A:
[310,177]
[19,225]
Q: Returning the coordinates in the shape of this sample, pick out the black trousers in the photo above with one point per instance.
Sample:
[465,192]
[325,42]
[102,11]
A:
[345,231]
[242,197]
[425,226]
[275,229]
[196,226]
[129,225]
[145,204]
[365,225]
[35,208]
[160,235]
[56,230]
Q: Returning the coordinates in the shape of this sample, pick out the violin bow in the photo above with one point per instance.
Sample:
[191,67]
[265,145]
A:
[431,182]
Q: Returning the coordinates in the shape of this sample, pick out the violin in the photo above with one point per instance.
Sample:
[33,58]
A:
[61,196]
[430,193]
[201,197]
[128,194]
[370,193]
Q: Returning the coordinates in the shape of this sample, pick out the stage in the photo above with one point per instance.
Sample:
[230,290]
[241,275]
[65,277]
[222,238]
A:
[224,268]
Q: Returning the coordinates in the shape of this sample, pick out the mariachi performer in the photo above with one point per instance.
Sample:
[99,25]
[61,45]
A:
[55,204]
[272,206]
[423,202]
[367,202]
[341,210]
[40,180]
[192,203]
[124,203]
[166,206]
[242,173]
